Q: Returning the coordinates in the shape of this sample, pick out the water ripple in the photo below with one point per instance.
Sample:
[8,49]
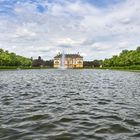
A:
[69,105]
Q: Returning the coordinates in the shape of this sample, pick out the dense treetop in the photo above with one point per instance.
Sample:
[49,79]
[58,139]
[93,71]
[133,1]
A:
[11,59]
[125,58]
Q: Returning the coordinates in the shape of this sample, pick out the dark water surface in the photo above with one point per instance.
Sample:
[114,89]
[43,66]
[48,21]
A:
[69,105]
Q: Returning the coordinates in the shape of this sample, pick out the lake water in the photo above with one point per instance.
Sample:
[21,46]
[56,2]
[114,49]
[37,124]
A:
[69,105]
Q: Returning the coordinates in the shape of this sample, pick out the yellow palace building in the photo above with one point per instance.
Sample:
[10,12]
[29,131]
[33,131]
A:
[70,61]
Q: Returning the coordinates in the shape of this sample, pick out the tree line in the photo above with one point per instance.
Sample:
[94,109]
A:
[125,58]
[42,63]
[11,59]
[92,64]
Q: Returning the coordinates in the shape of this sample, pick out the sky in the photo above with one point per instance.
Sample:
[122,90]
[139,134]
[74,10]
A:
[97,29]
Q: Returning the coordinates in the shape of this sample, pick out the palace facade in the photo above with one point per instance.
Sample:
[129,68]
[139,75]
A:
[70,61]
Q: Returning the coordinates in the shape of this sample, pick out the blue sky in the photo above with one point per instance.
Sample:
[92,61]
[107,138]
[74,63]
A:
[97,29]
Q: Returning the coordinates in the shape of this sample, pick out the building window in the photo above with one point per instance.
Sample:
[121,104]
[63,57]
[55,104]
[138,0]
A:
[79,62]
[56,62]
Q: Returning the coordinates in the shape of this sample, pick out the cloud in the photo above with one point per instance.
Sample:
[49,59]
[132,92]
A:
[24,32]
[95,29]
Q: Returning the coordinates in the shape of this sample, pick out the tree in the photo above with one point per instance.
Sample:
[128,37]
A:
[97,63]
[88,64]
[126,58]
[38,62]
[138,49]
[11,59]
[49,63]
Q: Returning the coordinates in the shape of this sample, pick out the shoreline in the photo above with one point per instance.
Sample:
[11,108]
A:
[41,68]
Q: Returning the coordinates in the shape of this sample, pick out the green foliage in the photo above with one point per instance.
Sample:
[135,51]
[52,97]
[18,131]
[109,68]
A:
[126,58]
[49,63]
[92,64]
[11,59]
[88,64]
[97,63]
[38,62]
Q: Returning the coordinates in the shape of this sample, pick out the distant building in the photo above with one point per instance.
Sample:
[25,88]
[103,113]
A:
[70,61]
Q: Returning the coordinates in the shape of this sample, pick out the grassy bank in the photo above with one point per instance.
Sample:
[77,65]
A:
[21,67]
[133,67]
[125,68]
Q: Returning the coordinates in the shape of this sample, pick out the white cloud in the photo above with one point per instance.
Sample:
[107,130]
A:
[95,32]
[24,32]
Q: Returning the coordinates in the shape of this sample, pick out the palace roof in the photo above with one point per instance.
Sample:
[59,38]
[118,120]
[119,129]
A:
[69,56]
